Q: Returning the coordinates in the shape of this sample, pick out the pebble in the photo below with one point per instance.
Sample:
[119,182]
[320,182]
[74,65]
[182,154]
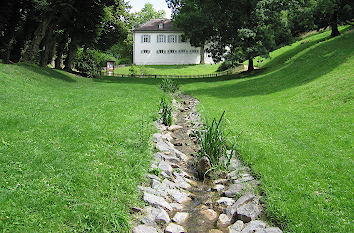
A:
[253,226]
[236,227]
[223,220]
[226,201]
[157,201]
[209,214]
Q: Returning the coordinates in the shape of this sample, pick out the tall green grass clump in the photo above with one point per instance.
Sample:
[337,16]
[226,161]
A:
[166,111]
[168,85]
[213,144]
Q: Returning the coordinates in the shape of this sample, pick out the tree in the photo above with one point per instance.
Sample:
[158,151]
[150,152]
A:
[333,12]
[147,13]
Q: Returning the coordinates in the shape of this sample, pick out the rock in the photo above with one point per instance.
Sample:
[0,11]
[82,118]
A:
[174,228]
[226,201]
[177,144]
[247,197]
[218,187]
[157,201]
[220,181]
[203,166]
[234,189]
[236,227]
[144,229]
[177,206]
[165,167]
[209,214]
[180,155]
[170,158]
[273,230]
[247,178]
[153,177]
[247,212]
[174,127]
[135,209]
[253,226]
[214,231]
[177,195]
[157,185]
[180,217]
[157,215]
[163,146]
[153,191]
[223,220]
[157,137]
[180,181]
[169,184]
[148,222]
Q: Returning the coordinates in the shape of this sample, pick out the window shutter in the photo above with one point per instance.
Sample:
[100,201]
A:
[142,38]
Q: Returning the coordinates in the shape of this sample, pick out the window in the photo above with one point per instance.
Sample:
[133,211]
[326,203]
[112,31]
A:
[160,25]
[145,51]
[194,51]
[172,39]
[161,38]
[182,51]
[145,39]
[172,51]
[161,51]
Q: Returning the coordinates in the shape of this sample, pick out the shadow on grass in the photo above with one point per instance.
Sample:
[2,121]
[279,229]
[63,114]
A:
[53,73]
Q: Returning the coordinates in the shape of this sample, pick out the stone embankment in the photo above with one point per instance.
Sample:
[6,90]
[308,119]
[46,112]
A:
[178,202]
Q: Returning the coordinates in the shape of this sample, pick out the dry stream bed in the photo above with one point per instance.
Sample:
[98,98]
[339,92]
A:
[177,201]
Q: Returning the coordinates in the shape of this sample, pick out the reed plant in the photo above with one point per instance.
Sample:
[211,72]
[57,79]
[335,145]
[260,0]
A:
[168,85]
[166,111]
[213,144]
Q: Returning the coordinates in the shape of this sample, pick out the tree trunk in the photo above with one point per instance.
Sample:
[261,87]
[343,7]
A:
[70,55]
[39,34]
[250,64]
[334,25]
[47,46]
[202,54]
[60,51]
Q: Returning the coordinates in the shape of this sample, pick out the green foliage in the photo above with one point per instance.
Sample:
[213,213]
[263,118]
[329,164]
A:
[166,111]
[225,65]
[146,13]
[213,144]
[133,70]
[168,85]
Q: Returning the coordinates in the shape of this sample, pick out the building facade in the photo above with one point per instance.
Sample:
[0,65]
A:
[157,42]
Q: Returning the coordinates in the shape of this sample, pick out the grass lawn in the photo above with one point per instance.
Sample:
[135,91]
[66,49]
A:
[172,69]
[72,150]
[295,120]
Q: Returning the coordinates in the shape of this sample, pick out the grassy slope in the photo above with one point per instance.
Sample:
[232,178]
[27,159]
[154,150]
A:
[296,120]
[172,69]
[70,151]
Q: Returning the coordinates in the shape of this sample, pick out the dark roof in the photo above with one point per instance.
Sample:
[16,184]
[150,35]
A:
[153,25]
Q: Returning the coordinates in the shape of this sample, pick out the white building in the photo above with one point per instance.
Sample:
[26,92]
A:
[158,43]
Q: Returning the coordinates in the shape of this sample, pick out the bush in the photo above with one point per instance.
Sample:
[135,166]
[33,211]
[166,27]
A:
[166,111]
[90,62]
[133,70]
[227,64]
[168,85]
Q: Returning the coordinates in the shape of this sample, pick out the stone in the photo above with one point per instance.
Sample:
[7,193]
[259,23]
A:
[180,155]
[273,230]
[165,167]
[170,158]
[223,220]
[148,222]
[169,184]
[135,209]
[236,227]
[220,181]
[226,201]
[177,206]
[234,190]
[157,201]
[218,187]
[181,182]
[144,229]
[157,137]
[203,166]
[253,226]
[165,175]
[247,197]
[209,214]
[247,212]
[175,127]
[163,146]
[180,217]
[177,195]
[153,177]
[153,191]
[174,228]
[157,215]
[157,185]
[214,231]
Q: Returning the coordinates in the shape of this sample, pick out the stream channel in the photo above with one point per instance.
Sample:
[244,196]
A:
[178,201]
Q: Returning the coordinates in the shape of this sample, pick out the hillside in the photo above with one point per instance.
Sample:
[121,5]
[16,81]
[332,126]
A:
[294,118]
